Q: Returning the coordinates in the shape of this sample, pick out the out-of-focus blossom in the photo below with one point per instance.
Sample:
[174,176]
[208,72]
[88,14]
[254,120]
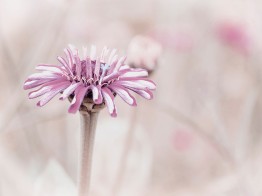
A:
[235,36]
[178,40]
[96,78]
[144,52]
[182,140]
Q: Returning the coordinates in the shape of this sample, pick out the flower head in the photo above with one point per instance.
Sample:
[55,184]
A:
[98,78]
[144,52]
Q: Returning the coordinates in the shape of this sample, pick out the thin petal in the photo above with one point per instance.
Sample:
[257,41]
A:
[69,56]
[104,54]
[135,73]
[119,63]
[97,69]
[84,52]
[35,83]
[46,88]
[80,93]
[78,66]
[44,75]
[113,65]
[50,68]
[93,53]
[48,96]
[97,97]
[69,90]
[112,54]
[89,70]
[137,84]
[147,94]
[109,100]
[124,94]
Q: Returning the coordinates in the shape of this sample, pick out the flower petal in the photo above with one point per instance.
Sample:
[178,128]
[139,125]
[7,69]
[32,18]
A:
[44,75]
[78,66]
[134,73]
[112,65]
[109,100]
[35,83]
[46,88]
[97,68]
[137,83]
[80,93]
[50,68]
[89,70]
[147,94]
[96,91]
[65,64]
[93,53]
[124,94]
[48,96]
[69,90]
[69,56]
[112,54]
[104,54]
[120,63]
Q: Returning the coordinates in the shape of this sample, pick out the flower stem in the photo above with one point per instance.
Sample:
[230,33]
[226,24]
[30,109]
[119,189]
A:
[88,127]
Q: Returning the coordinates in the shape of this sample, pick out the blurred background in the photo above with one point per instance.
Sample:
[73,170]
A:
[199,136]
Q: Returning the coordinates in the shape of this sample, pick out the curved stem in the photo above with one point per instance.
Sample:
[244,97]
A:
[88,127]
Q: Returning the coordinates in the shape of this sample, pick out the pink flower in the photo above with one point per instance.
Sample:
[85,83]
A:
[98,78]
[144,52]
[235,36]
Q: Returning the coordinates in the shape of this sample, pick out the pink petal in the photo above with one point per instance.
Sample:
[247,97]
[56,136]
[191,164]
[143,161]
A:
[69,90]
[114,75]
[97,69]
[46,88]
[80,93]
[111,76]
[69,56]
[104,54]
[124,94]
[52,68]
[97,97]
[35,83]
[123,67]
[113,64]
[93,53]
[109,100]
[119,63]
[43,76]
[111,57]
[48,96]
[65,64]
[89,71]
[147,94]
[78,66]
[135,73]
[137,83]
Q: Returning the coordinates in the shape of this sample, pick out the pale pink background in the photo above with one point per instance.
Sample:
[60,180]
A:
[200,136]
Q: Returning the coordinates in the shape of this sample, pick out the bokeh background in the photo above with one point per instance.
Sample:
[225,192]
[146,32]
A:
[199,136]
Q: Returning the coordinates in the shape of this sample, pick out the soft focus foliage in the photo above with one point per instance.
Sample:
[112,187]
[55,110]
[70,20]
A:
[199,136]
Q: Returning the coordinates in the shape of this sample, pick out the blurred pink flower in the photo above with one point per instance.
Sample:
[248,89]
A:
[182,140]
[144,52]
[179,40]
[98,78]
[235,36]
